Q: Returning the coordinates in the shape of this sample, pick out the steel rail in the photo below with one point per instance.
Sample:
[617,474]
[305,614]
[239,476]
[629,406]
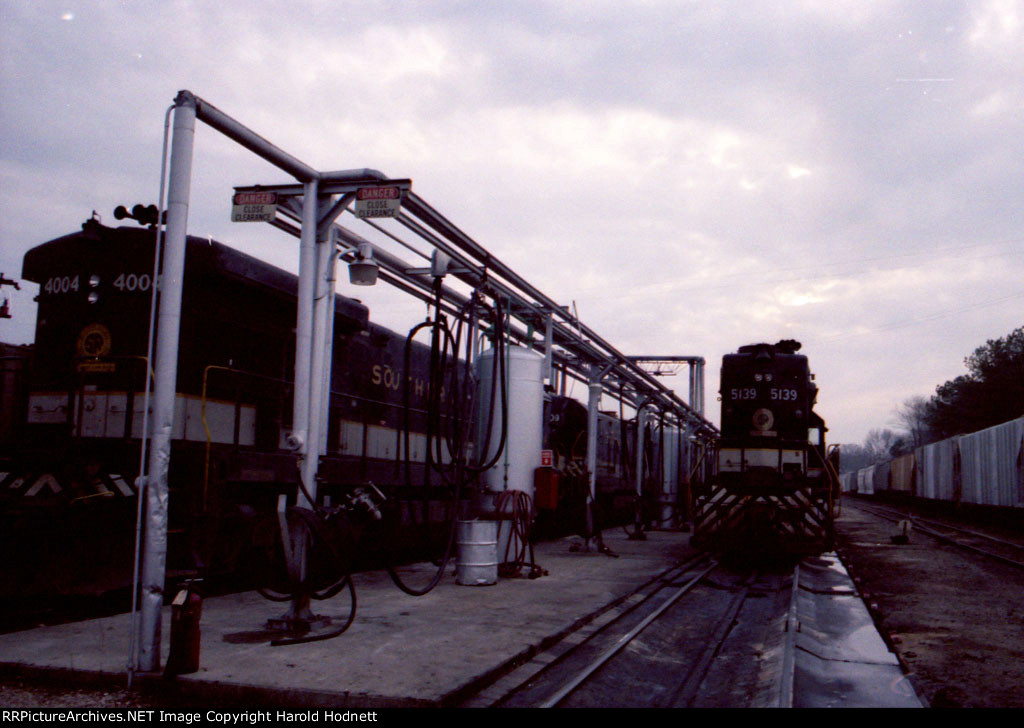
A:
[969,532]
[687,689]
[881,513]
[786,678]
[624,640]
[949,526]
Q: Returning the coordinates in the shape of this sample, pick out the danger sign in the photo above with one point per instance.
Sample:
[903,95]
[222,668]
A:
[254,207]
[378,202]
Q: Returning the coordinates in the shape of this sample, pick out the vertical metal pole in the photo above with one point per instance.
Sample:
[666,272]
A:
[304,333]
[549,340]
[638,520]
[693,384]
[682,471]
[328,353]
[323,323]
[154,563]
[309,346]
[593,402]
[700,387]
[641,424]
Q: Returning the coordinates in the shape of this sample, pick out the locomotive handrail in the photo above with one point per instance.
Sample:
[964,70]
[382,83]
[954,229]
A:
[834,484]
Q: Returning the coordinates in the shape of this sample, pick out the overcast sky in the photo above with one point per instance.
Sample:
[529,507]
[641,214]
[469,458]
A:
[695,176]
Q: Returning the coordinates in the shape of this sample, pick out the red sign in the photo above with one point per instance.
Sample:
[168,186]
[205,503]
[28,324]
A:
[378,202]
[256,206]
[255,198]
[378,193]
[547,458]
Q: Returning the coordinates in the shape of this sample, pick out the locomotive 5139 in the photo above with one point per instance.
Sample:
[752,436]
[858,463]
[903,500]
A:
[774,489]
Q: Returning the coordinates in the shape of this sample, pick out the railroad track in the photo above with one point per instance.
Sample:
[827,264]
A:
[707,635]
[983,544]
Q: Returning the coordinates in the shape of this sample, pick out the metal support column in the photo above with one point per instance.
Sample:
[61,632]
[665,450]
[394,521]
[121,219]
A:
[548,353]
[304,335]
[310,342]
[641,426]
[154,561]
[593,403]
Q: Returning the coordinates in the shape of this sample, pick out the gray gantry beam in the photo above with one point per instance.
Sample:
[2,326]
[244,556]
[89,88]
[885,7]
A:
[577,348]
[314,200]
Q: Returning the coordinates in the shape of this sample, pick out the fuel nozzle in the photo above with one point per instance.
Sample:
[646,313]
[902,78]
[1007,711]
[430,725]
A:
[366,499]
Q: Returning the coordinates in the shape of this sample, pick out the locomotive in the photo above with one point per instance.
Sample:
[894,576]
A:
[774,488]
[67,484]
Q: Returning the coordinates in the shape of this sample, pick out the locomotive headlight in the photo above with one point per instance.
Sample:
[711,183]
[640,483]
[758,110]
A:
[767,377]
[93,297]
[757,377]
[94,281]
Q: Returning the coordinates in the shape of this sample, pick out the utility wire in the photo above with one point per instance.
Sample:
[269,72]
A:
[920,320]
[766,276]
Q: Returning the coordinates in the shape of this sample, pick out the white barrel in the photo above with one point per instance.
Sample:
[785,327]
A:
[476,561]
[525,384]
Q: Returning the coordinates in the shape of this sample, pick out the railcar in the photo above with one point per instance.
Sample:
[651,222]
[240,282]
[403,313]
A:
[980,474]
[772,489]
[68,495]
[68,487]
[660,499]
[564,500]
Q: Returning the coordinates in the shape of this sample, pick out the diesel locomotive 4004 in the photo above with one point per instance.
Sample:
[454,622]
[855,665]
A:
[775,488]
[68,470]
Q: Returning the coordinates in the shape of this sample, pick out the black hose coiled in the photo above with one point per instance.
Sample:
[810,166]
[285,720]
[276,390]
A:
[449,418]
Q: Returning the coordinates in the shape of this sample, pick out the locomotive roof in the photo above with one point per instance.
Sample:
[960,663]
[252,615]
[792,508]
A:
[786,346]
[202,256]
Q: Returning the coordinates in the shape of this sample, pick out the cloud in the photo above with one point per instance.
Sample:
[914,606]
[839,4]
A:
[696,176]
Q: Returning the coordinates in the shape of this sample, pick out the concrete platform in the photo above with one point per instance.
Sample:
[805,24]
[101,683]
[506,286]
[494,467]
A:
[401,651]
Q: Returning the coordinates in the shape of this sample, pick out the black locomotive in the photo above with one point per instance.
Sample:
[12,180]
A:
[774,488]
[68,498]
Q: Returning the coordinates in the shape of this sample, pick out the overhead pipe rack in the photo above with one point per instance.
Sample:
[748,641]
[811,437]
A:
[314,201]
[574,347]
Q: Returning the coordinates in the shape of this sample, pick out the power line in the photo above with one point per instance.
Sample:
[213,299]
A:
[920,320]
[769,276]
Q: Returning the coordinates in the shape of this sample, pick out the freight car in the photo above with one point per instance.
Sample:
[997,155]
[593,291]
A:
[982,471]
[773,488]
[68,493]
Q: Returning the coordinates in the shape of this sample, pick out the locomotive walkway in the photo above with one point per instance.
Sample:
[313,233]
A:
[441,649]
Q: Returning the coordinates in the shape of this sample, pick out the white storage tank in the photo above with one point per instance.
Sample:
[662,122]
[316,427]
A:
[669,475]
[525,384]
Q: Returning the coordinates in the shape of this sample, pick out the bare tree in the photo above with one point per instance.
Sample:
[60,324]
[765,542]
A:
[912,417]
[880,444]
[853,457]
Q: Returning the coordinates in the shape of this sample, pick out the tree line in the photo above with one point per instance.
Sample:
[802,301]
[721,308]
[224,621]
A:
[990,393]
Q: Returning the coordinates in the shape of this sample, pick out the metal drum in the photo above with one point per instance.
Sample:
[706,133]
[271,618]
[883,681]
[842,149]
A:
[477,559]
